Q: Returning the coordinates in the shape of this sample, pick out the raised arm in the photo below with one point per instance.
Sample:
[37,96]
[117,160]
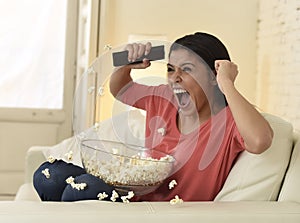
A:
[254,129]
[121,78]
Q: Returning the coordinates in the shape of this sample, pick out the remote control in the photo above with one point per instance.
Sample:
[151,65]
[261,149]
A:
[121,58]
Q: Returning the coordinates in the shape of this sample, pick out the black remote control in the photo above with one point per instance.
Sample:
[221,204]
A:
[121,58]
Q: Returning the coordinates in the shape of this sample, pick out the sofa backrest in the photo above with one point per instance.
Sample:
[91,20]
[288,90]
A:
[291,184]
[253,177]
[259,177]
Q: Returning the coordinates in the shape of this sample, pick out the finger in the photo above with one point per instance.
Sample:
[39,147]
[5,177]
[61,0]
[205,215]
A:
[129,48]
[141,50]
[146,63]
[217,64]
[148,48]
[135,52]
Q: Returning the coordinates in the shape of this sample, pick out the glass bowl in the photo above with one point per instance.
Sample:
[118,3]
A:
[126,167]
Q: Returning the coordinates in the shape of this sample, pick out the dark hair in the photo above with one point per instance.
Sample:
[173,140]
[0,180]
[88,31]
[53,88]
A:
[207,46]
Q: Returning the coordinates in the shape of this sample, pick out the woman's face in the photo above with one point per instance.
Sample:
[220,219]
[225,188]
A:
[189,78]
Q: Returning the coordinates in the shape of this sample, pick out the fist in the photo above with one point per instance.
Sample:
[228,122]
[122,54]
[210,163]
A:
[226,72]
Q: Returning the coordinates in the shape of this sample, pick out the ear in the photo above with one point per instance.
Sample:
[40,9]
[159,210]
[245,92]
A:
[213,80]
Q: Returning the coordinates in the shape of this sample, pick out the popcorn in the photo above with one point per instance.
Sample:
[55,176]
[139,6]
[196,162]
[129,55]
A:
[162,131]
[46,173]
[172,184]
[176,200]
[126,198]
[91,71]
[100,91]
[115,151]
[80,186]
[96,126]
[107,47]
[70,180]
[69,155]
[51,159]
[77,186]
[136,170]
[91,89]
[130,194]
[114,196]
[102,196]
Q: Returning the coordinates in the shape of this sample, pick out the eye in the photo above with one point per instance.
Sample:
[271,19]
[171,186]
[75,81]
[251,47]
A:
[187,69]
[170,69]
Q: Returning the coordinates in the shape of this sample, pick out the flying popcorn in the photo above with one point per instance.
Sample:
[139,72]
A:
[70,180]
[172,184]
[114,196]
[100,91]
[130,195]
[91,89]
[51,159]
[102,196]
[176,200]
[96,126]
[77,186]
[162,131]
[126,198]
[69,155]
[107,47]
[115,151]
[46,173]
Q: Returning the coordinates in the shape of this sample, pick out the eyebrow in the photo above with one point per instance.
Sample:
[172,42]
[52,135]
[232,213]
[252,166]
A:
[187,63]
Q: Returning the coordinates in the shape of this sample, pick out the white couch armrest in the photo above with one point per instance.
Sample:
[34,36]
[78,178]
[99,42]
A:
[34,158]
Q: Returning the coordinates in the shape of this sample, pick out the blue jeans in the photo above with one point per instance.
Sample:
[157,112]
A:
[55,188]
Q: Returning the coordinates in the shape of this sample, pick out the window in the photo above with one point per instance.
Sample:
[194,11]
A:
[32,53]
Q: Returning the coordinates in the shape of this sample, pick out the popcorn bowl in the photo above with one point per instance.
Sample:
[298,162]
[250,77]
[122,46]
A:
[126,167]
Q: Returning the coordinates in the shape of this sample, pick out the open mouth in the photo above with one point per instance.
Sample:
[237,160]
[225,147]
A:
[183,96]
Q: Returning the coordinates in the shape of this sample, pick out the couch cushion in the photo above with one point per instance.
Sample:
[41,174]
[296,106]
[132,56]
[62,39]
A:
[148,212]
[27,193]
[259,177]
[291,185]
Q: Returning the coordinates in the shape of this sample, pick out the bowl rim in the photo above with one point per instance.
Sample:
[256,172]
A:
[131,146]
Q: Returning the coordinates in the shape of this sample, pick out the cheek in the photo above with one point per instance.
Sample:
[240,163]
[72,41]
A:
[200,91]
[199,83]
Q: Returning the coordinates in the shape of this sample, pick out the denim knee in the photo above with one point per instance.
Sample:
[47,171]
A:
[93,187]
[50,187]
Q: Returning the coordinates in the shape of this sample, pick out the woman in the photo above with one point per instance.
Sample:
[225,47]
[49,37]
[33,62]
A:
[206,122]
[199,118]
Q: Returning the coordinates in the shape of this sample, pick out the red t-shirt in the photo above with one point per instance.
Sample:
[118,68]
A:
[203,158]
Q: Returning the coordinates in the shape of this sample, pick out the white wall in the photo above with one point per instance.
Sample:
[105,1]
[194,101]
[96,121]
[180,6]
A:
[233,21]
[279,58]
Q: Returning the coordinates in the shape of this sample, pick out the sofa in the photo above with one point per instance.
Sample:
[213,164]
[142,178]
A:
[260,188]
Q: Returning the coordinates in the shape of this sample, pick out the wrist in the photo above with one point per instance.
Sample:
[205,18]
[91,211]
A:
[227,86]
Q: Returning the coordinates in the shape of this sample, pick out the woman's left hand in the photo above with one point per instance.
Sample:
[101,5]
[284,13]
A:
[226,71]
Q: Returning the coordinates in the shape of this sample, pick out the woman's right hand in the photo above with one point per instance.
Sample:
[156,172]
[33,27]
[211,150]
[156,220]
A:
[137,50]
[121,75]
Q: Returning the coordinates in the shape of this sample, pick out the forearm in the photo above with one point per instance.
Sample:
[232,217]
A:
[254,129]
[119,79]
